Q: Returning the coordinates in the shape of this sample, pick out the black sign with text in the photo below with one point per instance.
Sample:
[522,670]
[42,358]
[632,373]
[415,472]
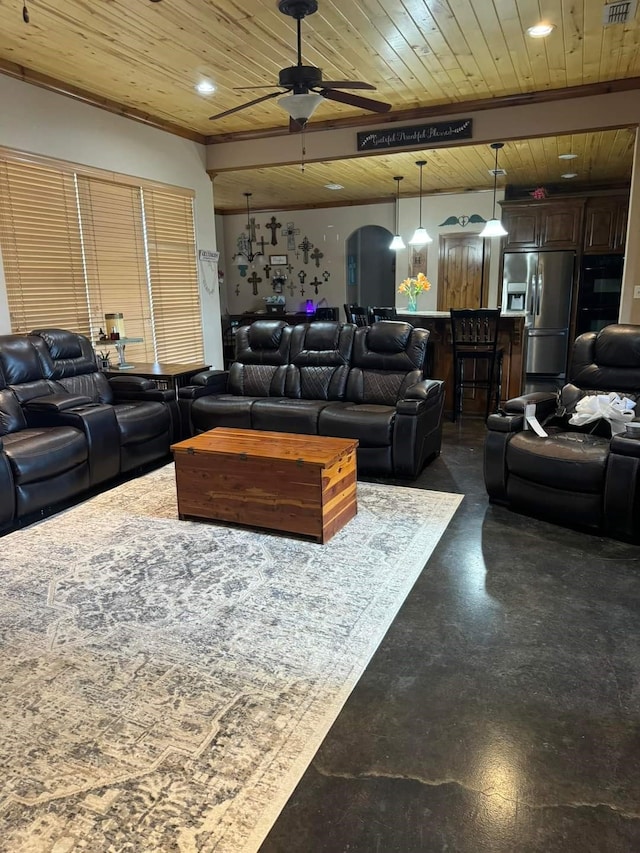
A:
[417,134]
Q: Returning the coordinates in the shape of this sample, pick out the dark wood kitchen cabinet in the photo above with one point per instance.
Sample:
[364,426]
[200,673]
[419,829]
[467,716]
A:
[605,225]
[547,224]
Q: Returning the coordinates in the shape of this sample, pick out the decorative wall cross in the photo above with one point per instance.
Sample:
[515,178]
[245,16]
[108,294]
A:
[291,287]
[306,247]
[237,290]
[326,275]
[289,268]
[290,232]
[315,282]
[352,266]
[302,275]
[267,270]
[316,255]
[251,228]
[254,279]
[273,226]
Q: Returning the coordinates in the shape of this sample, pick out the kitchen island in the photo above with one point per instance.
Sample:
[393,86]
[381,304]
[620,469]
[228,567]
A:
[511,339]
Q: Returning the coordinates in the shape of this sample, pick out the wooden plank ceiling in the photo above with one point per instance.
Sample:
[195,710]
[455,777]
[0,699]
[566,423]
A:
[144,59]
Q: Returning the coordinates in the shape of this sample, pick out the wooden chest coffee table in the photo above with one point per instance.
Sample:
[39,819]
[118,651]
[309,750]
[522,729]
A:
[301,484]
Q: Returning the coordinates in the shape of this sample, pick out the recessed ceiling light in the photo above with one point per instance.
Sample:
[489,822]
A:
[334,186]
[205,88]
[540,31]
[569,175]
[567,156]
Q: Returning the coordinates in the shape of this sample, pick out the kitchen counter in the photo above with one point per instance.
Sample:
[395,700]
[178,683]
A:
[440,357]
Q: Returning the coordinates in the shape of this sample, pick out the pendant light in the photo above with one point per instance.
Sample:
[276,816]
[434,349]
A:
[397,242]
[494,227]
[420,236]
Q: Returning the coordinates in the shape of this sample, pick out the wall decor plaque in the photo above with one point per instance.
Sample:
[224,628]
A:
[416,134]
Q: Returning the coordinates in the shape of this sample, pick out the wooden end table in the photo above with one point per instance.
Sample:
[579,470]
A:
[300,484]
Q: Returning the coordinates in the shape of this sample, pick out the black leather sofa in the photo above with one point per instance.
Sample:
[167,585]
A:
[65,428]
[578,476]
[332,379]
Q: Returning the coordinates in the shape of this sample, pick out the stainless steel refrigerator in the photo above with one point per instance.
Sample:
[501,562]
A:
[541,284]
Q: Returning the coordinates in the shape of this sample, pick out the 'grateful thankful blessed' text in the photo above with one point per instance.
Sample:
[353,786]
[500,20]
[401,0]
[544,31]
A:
[418,134]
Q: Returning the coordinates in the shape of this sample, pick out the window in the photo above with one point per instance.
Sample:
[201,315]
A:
[42,249]
[78,245]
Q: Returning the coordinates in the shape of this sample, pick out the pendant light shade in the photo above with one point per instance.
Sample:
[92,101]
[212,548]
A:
[300,107]
[420,236]
[493,227]
[397,242]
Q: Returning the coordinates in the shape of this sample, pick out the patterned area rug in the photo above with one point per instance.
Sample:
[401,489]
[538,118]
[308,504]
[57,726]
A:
[166,683]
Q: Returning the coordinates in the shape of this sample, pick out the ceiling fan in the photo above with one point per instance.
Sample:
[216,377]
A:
[304,82]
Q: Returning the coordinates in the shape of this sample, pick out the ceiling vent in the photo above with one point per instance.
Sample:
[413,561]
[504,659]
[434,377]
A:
[498,173]
[619,13]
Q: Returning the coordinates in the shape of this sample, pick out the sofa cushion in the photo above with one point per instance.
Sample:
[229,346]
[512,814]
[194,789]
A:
[41,453]
[285,415]
[371,424]
[138,422]
[571,461]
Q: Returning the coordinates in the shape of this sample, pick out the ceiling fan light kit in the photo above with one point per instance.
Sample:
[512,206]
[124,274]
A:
[304,83]
[493,227]
[420,235]
[300,107]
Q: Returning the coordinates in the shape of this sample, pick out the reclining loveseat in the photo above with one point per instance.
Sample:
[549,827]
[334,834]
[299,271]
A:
[330,379]
[65,428]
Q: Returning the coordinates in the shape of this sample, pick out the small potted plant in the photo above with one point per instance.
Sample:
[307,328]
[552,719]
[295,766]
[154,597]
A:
[103,359]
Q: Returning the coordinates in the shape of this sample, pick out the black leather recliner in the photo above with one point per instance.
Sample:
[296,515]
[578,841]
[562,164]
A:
[328,379]
[577,476]
[64,428]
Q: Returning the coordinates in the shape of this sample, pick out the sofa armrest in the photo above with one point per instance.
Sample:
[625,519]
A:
[56,402]
[546,404]
[217,384]
[130,383]
[624,445]
[209,377]
[505,423]
[424,390]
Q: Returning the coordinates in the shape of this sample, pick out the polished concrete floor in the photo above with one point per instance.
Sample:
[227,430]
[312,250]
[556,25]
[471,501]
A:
[501,712]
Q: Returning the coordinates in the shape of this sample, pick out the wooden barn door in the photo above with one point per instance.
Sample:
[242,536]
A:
[463,271]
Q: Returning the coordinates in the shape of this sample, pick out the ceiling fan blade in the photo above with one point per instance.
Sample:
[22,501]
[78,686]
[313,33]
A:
[244,106]
[355,100]
[346,84]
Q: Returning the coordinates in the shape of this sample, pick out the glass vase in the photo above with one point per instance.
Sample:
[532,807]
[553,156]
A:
[412,304]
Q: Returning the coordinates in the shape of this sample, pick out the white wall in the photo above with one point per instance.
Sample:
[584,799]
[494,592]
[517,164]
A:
[329,228]
[41,122]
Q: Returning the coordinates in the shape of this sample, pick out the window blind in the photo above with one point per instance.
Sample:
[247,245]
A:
[41,249]
[115,260]
[79,243]
[173,276]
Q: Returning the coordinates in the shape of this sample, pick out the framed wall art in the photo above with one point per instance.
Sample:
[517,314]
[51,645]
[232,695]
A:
[278,260]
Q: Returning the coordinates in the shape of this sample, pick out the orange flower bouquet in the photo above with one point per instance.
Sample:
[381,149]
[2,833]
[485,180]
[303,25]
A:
[412,287]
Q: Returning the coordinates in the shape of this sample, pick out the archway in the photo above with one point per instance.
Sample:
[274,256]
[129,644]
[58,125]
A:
[371,267]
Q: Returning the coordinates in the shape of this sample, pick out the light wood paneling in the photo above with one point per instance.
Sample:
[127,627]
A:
[143,59]
[149,56]
[603,157]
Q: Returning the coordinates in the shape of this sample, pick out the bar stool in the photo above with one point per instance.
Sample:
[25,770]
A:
[356,314]
[474,335]
[377,313]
